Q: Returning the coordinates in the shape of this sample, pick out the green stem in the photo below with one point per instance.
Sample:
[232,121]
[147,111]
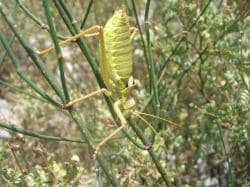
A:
[153,84]
[37,135]
[86,14]
[140,31]
[149,52]
[12,38]
[5,52]
[57,49]
[148,57]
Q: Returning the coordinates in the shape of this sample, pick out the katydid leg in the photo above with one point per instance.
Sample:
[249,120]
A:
[92,31]
[123,125]
[133,32]
[103,90]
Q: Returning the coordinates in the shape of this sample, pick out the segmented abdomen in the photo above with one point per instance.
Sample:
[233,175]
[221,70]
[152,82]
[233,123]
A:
[118,50]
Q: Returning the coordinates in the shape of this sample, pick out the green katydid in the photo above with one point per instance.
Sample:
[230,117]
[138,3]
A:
[115,50]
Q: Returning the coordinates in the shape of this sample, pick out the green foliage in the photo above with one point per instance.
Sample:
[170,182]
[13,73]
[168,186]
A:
[50,173]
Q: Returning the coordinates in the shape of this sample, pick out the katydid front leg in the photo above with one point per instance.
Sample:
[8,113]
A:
[92,31]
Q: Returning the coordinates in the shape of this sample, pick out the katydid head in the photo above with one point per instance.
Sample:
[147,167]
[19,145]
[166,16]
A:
[120,17]
[121,11]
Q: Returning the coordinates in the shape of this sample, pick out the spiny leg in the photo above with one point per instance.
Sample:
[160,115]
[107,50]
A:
[123,124]
[103,90]
[92,31]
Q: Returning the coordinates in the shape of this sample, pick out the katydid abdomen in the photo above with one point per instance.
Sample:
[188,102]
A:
[117,66]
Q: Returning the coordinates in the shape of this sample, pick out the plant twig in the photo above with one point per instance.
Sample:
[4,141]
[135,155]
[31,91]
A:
[23,171]
[36,20]
[153,84]
[5,52]
[57,49]
[86,14]
[38,135]
[149,52]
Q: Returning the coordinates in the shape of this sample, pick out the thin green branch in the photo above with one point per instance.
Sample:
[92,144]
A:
[36,20]
[86,14]
[153,84]
[149,53]
[5,52]
[57,49]
[12,38]
[148,57]
[37,135]
[140,31]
